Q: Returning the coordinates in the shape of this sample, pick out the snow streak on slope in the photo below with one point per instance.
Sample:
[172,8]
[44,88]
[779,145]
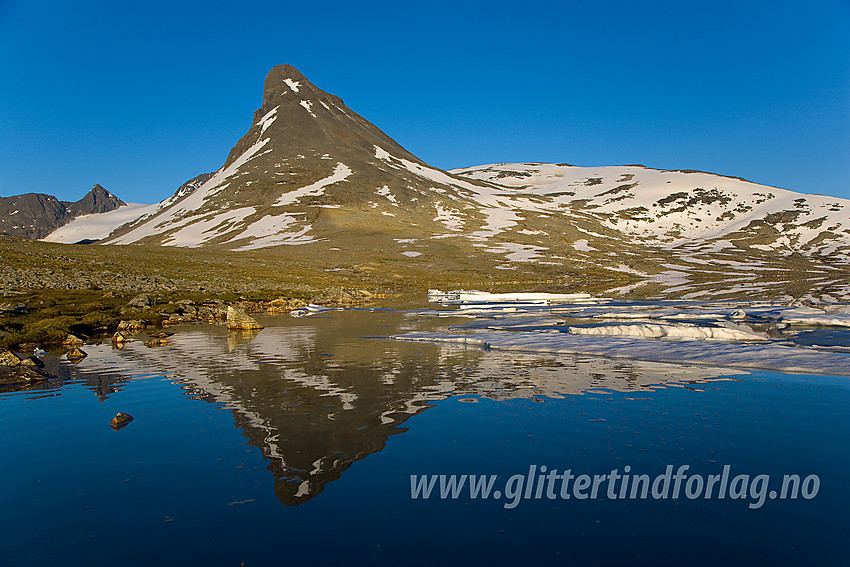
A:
[181,213]
[341,173]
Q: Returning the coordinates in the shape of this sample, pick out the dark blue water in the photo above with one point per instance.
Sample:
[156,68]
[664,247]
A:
[297,445]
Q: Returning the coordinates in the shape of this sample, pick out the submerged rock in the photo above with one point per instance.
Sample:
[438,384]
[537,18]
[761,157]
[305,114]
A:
[21,374]
[239,320]
[120,420]
[76,354]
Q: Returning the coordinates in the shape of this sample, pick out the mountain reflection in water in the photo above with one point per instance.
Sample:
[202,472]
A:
[316,395]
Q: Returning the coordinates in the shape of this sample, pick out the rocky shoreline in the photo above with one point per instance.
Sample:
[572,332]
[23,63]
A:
[62,321]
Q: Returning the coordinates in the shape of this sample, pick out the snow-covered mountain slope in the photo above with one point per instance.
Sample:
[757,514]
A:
[311,173]
[677,208]
[97,226]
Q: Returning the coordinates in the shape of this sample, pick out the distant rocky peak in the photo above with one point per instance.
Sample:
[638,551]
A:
[98,200]
[35,215]
[98,192]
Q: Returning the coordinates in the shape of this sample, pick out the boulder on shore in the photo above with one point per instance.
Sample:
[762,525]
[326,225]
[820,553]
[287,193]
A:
[8,358]
[132,326]
[238,320]
[141,301]
[72,341]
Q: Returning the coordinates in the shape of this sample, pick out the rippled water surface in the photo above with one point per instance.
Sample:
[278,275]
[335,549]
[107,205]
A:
[297,444]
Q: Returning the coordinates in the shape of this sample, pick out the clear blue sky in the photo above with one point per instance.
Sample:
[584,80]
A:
[140,97]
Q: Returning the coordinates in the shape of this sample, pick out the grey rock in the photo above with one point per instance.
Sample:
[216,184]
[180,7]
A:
[35,215]
[141,301]
[21,375]
[98,200]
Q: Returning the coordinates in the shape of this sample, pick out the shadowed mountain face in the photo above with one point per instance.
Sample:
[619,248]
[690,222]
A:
[35,215]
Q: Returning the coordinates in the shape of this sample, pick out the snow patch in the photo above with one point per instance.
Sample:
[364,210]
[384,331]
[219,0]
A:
[385,192]
[176,215]
[308,106]
[516,252]
[267,119]
[582,246]
[451,218]
[208,228]
[340,173]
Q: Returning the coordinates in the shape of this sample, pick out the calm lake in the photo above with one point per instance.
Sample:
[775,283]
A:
[297,444]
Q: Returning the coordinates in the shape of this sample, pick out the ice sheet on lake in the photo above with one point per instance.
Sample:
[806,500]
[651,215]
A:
[483,297]
[727,354]
[834,316]
[656,330]
[311,309]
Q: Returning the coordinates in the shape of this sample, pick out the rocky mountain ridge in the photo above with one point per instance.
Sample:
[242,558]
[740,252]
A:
[35,215]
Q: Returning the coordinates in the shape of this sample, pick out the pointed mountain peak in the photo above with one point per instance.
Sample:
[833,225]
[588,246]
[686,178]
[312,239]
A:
[98,200]
[98,190]
[286,80]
